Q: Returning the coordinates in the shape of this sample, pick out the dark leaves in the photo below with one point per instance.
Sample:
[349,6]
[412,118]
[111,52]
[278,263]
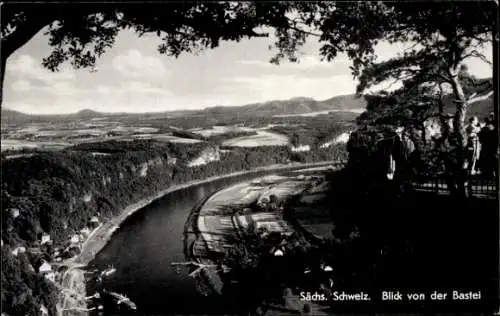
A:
[81,33]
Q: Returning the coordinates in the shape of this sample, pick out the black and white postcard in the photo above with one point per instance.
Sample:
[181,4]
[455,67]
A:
[249,158]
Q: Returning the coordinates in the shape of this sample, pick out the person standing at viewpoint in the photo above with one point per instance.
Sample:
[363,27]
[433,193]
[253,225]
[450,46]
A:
[473,144]
[489,148]
[449,154]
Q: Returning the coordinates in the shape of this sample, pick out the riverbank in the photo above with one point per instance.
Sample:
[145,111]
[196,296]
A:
[100,237]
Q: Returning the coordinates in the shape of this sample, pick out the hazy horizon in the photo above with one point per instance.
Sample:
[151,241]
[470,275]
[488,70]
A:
[175,110]
[133,77]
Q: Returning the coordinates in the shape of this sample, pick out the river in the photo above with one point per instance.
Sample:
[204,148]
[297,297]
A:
[145,245]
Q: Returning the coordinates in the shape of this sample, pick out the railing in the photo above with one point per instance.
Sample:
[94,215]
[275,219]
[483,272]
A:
[477,186]
[340,163]
[431,183]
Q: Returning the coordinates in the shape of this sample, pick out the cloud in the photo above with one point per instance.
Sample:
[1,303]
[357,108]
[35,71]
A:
[60,105]
[309,66]
[21,86]
[272,87]
[23,106]
[27,67]
[132,88]
[104,89]
[135,65]
[142,87]
[258,63]
[305,62]
[57,88]
[135,89]
[63,88]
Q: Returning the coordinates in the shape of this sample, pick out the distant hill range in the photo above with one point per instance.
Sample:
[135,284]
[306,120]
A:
[299,105]
[11,115]
[87,113]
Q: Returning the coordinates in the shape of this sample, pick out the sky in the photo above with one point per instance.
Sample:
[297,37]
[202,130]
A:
[133,77]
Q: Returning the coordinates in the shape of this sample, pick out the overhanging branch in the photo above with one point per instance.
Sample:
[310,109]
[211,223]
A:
[24,32]
[476,54]
[304,31]
[257,34]
[474,98]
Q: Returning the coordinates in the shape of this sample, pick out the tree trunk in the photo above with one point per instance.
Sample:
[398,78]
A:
[460,134]
[495,96]
[2,77]
[442,120]
[461,110]
[424,137]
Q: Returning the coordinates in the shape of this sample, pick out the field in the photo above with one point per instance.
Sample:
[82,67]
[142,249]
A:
[167,138]
[219,130]
[53,134]
[15,144]
[263,138]
[312,114]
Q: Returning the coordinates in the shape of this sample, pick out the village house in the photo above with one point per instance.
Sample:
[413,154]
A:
[326,268]
[45,267]
[87,197]
[35,250]
[85,232]
[45,239]
[71,251]
[14,212]
[51,276]
[171,160]
[18,250]
[278,251]
[44,311]
[30,268]
[94,222]
[75,239]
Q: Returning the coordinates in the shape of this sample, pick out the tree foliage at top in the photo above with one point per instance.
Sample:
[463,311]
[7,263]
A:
[80,33]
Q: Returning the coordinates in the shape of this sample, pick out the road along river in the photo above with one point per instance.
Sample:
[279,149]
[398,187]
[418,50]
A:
[149,240]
